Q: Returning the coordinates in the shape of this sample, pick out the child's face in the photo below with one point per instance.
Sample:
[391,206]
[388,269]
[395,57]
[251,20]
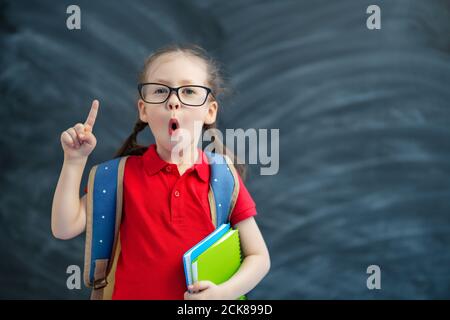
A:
[175,70]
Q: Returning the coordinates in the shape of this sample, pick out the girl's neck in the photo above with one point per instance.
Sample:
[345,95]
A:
[184,160]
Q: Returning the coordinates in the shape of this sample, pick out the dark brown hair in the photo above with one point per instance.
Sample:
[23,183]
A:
[215,82]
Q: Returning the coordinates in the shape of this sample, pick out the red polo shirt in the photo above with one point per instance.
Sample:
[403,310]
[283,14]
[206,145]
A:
[164,215]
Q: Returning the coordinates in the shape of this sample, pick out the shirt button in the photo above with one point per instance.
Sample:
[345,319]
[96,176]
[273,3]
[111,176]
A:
[177,193]
[168,169]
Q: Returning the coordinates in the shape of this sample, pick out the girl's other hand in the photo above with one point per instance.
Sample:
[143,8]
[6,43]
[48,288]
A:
[205,290]
[78,141]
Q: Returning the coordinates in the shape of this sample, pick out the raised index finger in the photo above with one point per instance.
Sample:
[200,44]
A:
[92,115]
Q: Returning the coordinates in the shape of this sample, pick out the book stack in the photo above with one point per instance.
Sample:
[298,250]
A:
[216,258]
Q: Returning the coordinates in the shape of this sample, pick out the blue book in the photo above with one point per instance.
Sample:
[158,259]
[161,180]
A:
[199,248]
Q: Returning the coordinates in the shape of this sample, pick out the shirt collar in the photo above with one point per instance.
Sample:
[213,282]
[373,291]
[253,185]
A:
[153,163]
[202,167]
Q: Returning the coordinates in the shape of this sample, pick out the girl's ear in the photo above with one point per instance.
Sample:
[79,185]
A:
[141,109]
[212,112]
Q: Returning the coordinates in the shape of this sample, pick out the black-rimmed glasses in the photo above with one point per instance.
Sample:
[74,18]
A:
[191,95]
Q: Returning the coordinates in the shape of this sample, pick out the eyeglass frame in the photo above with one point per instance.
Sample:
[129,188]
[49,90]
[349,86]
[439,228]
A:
[208,92]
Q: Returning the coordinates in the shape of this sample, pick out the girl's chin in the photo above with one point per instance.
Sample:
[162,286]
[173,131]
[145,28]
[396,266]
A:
[176,144]
[176,141]
[179,140]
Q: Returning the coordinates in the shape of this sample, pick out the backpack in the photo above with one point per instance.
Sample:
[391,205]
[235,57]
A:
[104,215]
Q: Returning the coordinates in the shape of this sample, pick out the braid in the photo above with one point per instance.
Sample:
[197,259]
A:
[130,147]
[138,127]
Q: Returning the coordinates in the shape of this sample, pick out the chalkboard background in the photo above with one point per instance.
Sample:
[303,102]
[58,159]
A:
[364,121]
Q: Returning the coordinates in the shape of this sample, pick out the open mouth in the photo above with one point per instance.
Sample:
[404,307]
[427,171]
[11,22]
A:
[173,126]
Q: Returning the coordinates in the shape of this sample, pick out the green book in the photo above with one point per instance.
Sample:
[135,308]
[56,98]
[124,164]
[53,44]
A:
[219,262]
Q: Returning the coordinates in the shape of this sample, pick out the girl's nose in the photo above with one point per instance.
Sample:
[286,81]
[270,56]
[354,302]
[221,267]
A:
[173,101]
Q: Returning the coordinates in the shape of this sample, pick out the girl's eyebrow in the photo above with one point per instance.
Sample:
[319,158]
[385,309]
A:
[183,82]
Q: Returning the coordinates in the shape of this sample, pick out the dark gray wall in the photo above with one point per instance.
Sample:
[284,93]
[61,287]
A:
[364,121]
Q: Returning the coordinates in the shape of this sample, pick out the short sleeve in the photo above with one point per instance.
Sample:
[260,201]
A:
[245,207]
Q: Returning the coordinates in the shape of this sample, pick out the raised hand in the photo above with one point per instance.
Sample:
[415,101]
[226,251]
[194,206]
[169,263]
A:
[78,141]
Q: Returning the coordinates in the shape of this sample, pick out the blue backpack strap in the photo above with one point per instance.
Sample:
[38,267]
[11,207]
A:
[224,188]
[103,218]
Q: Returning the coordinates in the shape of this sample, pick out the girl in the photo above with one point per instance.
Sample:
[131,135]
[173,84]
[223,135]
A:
[166,209]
